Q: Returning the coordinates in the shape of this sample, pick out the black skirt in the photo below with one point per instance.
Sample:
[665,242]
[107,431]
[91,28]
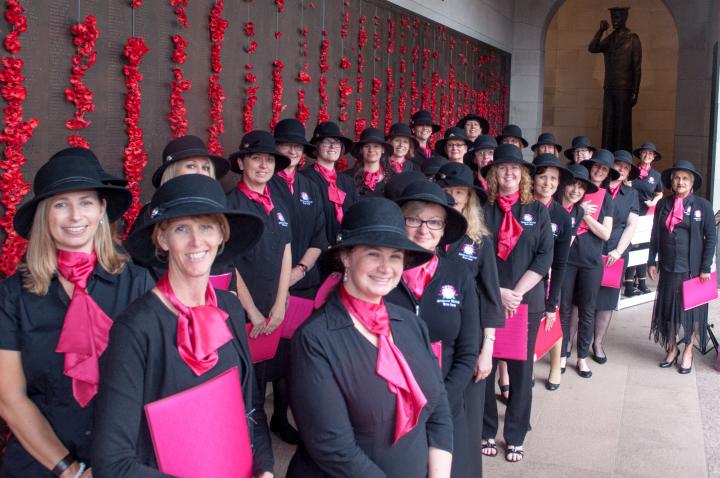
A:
[607,297]
[670,322]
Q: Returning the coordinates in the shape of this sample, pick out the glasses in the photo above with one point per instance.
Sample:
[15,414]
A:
[484,153]
[433,224]
[331,143]
[456,145]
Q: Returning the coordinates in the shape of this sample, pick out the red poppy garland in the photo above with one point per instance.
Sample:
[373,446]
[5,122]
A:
[218,25]
[85,35]
[251,87]
[322,83]
[276,106]
[178,113]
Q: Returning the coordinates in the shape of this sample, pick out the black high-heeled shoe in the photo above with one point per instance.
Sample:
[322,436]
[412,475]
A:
[666,364]
[684,371]
[583,373]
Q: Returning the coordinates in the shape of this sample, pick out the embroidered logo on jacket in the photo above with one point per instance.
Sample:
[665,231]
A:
[448,296]
[305,199]
[281,219]
[528,220]
[554,228]
[467,252]
[697,215]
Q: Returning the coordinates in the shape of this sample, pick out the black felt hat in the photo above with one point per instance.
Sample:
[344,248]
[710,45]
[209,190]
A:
[423,118]
[649,147]
[433,164]
[192,195]
[459,175]
[484,141]
[186,147]
[602,157]
[512,130]
[581,173]
[371,136]
[451,133]
[507,154]
[681,165]
[626,157]
[93,162]
[547,160]
[484,124]
[426,191]
[547,138]
[70,170]
[398,182]
[375,221]
[258,141]
[328,129]
[402,130]
[292,131]
[578,142]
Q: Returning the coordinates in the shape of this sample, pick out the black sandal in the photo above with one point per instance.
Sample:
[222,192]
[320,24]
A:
[514,450]
[501,396]
[490,448]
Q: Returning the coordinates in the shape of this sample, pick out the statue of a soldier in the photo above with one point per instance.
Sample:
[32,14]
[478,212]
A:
[623,55]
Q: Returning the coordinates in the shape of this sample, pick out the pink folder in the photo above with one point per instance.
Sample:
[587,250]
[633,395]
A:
[612,276]
[321,296]
[595,198]
[297,312]
[511,341]
[221,281]
[202,431]
[697,293]
[263,347]
[437,350]
[547,340]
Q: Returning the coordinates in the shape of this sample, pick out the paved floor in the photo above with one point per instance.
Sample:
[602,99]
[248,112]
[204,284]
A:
[631,419]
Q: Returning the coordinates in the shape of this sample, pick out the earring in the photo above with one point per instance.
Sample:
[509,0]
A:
[102,221]
[345,276]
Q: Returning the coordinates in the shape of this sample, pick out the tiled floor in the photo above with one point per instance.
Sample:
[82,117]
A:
[631,419]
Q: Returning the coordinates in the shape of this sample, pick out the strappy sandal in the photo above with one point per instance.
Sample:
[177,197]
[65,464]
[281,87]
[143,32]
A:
[488,449]
[514,450]
[501,396]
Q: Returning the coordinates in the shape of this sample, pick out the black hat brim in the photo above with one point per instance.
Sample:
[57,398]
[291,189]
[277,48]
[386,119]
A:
[435,127]
[530,167]
[557,146]
[221,165]
[658,156]
[281,161]
[666,177]
[117,201]
[455,183]
[565,174]
[308,148]
[484,124]
[357,147]
[614,174]
[440,145]
[522,140]
[569,152]
[347,144]
[455,222]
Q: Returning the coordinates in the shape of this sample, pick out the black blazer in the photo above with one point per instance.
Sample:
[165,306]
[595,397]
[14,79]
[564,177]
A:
[347,185]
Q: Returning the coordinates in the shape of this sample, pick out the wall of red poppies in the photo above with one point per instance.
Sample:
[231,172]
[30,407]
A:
[125,76]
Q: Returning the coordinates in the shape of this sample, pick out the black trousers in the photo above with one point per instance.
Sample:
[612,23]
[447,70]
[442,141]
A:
[617,120]
[474,411]
[580,287]
[517,414]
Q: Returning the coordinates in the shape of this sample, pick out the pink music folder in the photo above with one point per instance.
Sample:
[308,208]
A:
[221,281]
[437,350]
[202,432]
[612,275]
[547,339]
[511,341]
[323,293]
[298,311]
[697,293]
[264,346]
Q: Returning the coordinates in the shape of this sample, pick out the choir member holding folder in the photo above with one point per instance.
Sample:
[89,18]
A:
[625,217]
[524,253]
[180,335]
[683,239]
[72,281]
[365,387]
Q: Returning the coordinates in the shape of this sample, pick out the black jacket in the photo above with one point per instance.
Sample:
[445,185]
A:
[347,185]
[562,233]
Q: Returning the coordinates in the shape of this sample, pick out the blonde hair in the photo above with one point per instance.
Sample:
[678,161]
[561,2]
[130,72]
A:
[40,264]
[475,216]
[526,195]
[171,171]
[162,226]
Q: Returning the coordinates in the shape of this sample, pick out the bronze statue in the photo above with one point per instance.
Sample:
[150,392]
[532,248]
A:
[623,54]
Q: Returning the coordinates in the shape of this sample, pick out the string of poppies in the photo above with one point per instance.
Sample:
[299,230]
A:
[85,35]
[344,88]
[303,77]
[218,25]
[135,155]
[250,79]
[362,38]
[178,113]
[16,132]
[389,82]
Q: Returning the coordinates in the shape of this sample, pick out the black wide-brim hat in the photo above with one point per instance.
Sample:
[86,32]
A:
[258,141]
[581,173]
[547,160]
[423,118]
[578,142]
[379,222]
[402,130]
[626,157]
[547,138]
[67,172]
[426,191]
[484,124]
[602,157]
[507,154]
[328,129]
[452,133]
[681,165]
[185,147]
[398,182]
[371,136]
[432,165]
[192,195]
[514,131]
[93,162]
[292,131]
[649,147]
[453,175]
[484,141]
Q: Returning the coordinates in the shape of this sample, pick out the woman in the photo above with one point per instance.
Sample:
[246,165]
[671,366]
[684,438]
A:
[445,298]
[521,227]
[581,150]
[683,238]
[625,219]
[336,190]
[546,144]
[72,279]
[474,126]
[454,145]
[423,127]
[404,146]
[479,156]
[512,134]
[648,184]
[585,266]
[551,176]
[372,168]
[155,348]
[358,416]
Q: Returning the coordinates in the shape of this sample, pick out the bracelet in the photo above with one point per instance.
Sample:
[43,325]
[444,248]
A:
[63,465]
[491,338]
[81,470]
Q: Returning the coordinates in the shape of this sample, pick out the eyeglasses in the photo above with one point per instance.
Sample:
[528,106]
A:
[433,224]
[456,145]
[331,143]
